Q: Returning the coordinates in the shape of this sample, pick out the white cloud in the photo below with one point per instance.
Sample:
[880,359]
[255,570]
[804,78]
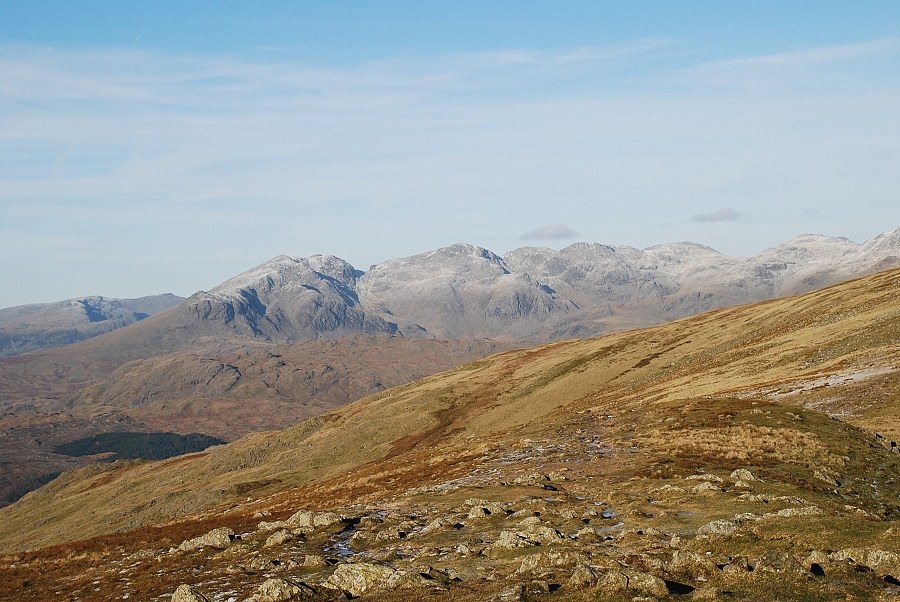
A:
[550,232]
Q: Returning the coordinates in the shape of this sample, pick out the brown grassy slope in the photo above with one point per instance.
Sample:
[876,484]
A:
[654,377]
[220,391]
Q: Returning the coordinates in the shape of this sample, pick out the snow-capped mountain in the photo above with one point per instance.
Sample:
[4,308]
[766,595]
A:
[287,299]
[465,291]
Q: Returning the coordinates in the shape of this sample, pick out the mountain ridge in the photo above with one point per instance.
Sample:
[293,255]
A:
[531,294]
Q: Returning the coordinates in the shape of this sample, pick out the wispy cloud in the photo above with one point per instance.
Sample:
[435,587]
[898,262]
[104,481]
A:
[287,156]
[720,215]
[550,232]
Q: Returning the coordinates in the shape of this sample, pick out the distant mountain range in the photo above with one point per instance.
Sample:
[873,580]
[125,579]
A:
[531,294]
[29,327]
[462,292]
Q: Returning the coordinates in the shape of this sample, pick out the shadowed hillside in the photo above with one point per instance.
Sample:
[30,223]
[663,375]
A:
[733,454]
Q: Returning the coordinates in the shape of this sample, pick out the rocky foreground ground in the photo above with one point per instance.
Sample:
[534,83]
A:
[503,531]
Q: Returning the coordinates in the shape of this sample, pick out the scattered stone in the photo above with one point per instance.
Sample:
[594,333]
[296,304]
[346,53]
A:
[775,561]
[882,561]
[219,538]
[789,512]
[531,478]
[390,534]
[705,487]
[827,476]
[613,582]
[587,534]
[273,525]
[326,519]
[541,534]
[513,593]
[718,527]
[691,564]
[540,563]
[726,526]
[435,525]
[314,560]
[711,478]
[667,488]
[558,475]
[186,593]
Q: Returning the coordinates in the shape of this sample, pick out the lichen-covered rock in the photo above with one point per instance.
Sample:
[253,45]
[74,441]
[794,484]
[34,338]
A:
[742,474]
[273,525]
[816,557]
[513,593]
[647,583]
[726,526]
[882,561]
[540,534]
[718,527]
[788,512]
[775,561]
[435,525]
[314,560]
[186,593]
[219,538]
[301,519]
[542,561]
[531,478]
[692,564]
[305,520]
[705,487]
[710,478]
[278,538]
[509,540]
[612,582]
[583,576]
[281,590]
[325,519]
[359,578]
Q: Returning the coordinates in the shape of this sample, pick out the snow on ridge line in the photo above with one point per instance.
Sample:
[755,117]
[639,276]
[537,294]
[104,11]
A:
[677,261]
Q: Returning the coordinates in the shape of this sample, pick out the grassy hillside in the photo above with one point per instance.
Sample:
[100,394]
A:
[651,425]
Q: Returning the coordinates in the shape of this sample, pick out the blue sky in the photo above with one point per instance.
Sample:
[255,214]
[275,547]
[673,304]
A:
[166,146]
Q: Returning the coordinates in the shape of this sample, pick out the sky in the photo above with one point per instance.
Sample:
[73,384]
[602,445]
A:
[166,146]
